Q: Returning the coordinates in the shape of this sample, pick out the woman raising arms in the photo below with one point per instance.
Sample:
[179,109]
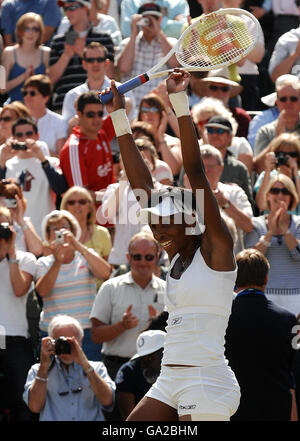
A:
[195,382]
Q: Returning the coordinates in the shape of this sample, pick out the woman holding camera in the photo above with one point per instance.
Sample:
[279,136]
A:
[277,235]
[66,278]
[283,157]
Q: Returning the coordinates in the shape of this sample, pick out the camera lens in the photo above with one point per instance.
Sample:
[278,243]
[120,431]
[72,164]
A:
[62,346]
[5,232]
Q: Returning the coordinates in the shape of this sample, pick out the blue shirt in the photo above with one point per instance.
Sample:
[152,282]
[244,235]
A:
[12,10]
[69,394]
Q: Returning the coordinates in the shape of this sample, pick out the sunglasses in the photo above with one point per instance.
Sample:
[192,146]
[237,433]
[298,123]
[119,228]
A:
[75,391]
[284,99]
[28,92]
[21,134]
[276,190]
[222,88]
[93,114]
[6,118]
[95,59]
[149,109]
[77,201]
[217,130]
[292,154]
[33,29]
[138,257]
[72,7]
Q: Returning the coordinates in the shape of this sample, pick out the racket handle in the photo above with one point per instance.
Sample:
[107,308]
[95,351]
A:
[125,87]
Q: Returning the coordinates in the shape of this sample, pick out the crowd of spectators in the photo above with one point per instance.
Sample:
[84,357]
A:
[71,246]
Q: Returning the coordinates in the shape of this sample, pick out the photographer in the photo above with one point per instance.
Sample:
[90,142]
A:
[17,269]
[65,385]
[283,157]
[66,277]
[23,157]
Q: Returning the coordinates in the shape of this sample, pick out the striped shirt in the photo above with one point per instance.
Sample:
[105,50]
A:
[73,293]
[74,74]
[146,56]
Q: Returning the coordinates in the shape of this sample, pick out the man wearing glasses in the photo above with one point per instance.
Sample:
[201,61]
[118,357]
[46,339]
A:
[86,158]
[65,385]
[288,104]
[124,304]
[66,70]
[28,160]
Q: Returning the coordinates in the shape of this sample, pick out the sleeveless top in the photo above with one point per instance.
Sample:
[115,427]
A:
[199,305]
[16,94]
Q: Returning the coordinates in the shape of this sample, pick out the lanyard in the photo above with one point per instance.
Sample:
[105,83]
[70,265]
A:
[250,291]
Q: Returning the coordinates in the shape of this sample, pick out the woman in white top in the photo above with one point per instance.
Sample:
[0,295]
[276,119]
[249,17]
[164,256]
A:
[195,381]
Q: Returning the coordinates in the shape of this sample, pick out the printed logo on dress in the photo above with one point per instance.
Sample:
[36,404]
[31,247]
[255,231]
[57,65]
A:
[187,406]
[24,180]
[176,321]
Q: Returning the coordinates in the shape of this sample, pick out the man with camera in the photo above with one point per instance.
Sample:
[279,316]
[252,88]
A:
[65,385]
[17,269]
[24,158]
[288,104]
[144,48]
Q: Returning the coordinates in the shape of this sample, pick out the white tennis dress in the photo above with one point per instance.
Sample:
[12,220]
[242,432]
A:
[199,305]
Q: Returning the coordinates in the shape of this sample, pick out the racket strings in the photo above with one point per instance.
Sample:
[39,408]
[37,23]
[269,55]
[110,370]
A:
[216,41]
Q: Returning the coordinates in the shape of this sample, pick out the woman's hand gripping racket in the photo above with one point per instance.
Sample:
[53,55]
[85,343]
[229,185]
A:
[214,40]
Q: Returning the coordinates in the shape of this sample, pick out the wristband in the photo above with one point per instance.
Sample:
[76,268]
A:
[24,227]
[120,122]
[41,379]
[13,261]
[180,103]
[266,243]
[226,205]
[288,231]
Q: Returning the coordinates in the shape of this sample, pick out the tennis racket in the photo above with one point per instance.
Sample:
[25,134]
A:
[214,40]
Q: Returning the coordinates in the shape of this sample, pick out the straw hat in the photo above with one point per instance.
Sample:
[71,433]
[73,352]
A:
[221,76]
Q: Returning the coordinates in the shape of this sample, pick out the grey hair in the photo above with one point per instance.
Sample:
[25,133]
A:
[64,320]
[208,151]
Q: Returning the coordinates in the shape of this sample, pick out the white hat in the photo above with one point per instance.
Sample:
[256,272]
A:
[149,342]
[86,3]
[222,76]
[66,214]
[270,100]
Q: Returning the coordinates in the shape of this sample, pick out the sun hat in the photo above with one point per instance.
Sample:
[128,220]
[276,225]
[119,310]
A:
[86,3]
[149,342]
[221,76]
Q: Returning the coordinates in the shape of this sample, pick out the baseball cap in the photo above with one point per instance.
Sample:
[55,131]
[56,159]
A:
[150,9]
[86,3]
[149,342]
[219,121]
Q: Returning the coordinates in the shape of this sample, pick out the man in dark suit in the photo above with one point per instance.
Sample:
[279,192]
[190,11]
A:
[259,345]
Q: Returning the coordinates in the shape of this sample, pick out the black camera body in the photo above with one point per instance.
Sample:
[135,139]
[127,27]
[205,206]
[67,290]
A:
[19,146]
[282,158]
[5,231]
[62,346]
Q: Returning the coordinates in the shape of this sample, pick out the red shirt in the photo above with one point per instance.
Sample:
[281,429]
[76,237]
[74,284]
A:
[87,162]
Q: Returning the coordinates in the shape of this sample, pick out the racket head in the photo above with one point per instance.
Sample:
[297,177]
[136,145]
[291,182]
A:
[218,39]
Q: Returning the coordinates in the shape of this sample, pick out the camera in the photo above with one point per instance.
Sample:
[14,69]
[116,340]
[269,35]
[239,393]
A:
[62,346]
[10,203]
[59,237]
[71,37]
[5,231]
[282,158]
[19,146]
[143,22]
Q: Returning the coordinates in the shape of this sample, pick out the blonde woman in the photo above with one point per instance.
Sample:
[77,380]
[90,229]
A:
[283,157]
[209,107]
[277,236]
[27,57]
[8,115]
[78,201]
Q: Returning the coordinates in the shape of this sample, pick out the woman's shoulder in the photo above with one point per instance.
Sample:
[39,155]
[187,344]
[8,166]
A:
[98,230]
